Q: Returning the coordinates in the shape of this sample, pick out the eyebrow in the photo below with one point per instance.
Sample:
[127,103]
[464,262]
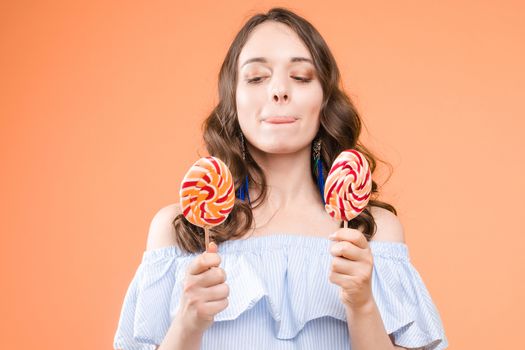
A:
[264,60]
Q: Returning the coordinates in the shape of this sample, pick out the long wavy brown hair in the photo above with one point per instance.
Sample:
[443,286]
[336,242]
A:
[340,127]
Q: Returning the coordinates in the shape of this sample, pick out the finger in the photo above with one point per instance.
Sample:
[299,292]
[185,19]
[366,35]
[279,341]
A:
[350,235]
[203,263]
[218,292]
[212,277]
[216,306]
[344,266]
[346,250]
[340,279]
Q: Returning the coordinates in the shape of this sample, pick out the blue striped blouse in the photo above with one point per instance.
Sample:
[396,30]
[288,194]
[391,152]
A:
[280,297]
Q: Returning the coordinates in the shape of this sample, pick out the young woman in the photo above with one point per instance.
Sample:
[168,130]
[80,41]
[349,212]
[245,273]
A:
[281,273]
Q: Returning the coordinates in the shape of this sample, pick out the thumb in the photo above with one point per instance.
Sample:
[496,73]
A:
[212,248]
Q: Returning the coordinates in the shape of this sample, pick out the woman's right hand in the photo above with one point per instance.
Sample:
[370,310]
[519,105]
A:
[205,291]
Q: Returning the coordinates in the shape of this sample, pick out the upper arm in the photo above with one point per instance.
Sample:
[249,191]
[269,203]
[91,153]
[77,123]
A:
[389,227]
[161,231]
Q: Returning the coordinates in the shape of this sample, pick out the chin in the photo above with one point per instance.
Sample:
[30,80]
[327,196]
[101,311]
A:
[282,148]
[281,144]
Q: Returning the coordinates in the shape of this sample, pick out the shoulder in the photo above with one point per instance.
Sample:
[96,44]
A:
[161,230]
[388,226]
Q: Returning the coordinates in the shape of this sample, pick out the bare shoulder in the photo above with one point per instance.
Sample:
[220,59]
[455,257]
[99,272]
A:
[389,227]
[161,231]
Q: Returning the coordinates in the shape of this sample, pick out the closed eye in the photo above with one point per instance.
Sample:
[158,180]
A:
[259,79]
[254,80]
[304,80]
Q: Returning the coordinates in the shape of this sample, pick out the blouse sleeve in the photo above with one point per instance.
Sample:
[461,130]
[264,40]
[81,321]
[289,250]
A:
[145,314]
[405,305]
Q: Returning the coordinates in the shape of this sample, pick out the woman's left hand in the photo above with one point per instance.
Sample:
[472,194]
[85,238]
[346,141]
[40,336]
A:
[352,267]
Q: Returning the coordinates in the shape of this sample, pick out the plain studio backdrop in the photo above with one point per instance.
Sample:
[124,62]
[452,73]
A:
[101,104]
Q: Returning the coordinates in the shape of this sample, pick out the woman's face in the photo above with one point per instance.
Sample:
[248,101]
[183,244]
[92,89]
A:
[278,94]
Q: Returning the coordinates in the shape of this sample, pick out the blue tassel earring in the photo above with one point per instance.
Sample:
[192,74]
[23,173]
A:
[319,167]
[243,190]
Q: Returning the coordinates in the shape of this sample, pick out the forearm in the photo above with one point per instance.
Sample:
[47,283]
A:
[366,329]
[178,338]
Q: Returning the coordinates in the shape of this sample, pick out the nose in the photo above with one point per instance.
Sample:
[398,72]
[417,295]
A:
[280,96]
[280,93]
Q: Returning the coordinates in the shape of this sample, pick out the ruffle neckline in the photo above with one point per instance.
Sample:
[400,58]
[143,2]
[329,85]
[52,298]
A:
[291,274]
[278,241]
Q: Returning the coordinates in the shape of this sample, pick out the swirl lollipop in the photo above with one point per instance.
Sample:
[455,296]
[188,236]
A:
[207,194]
[348,186]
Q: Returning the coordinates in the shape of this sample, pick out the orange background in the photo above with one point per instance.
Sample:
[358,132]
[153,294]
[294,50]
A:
[100,111]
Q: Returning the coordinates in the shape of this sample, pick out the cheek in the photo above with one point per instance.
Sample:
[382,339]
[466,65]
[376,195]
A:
[247,97]
[249,104]
[314,99]
[247,107]
[310,102]
[242,100]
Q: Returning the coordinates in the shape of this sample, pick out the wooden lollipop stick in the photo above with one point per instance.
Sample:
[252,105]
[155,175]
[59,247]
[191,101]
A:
[206,237]
[345,224]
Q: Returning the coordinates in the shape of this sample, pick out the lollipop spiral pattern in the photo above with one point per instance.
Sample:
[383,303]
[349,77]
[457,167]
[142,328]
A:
[207,192]
[348,186]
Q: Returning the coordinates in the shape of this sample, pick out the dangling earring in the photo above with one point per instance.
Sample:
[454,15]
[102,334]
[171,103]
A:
[319,167]
[243,190]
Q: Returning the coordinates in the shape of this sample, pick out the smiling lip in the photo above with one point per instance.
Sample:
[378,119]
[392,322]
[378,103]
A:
[280,120]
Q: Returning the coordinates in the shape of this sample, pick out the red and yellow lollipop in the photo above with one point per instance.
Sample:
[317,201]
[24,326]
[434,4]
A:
[207,193]
[348,186]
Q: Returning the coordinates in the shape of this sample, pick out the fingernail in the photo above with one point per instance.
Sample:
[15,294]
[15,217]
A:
[213,245]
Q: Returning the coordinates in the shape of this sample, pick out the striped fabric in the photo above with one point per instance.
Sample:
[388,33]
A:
[280,297]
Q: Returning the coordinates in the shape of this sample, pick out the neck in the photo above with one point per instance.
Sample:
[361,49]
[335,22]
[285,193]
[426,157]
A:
[287,185]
